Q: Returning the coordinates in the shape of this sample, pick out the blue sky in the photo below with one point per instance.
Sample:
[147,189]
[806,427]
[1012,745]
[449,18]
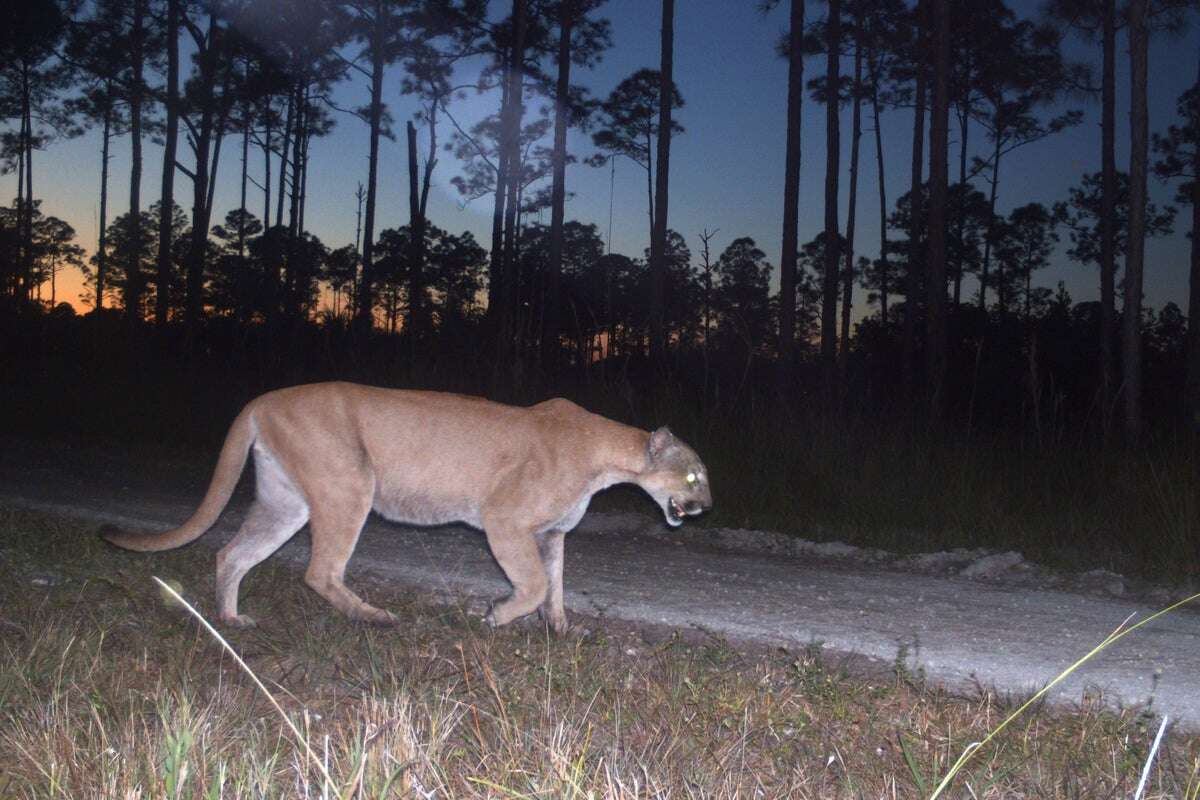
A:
[726,169]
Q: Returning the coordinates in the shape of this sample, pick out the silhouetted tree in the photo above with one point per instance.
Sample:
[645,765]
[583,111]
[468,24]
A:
[1023,72]
[658,236]
[1135,254]
[171,31]
[1023,244]
[741,296]
[936,345]
[31,79]
[1095,18]
[95,51]
[53,247]
[829,281]
[1179,151]
[628,126]
[794,51]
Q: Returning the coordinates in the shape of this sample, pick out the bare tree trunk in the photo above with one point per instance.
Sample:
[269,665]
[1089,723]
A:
[283,154]
[101,250]
[915,223]
[1139,134]
[366,298]
[791,198]
[658,267]
[1193,330]
[1108,205]
[133,286]
[266,149]
[649,177]
[291,291]
[27,263]
[558,191]
[510,127]
[162,305]
[848,277]
[496,262]
[16,283]
[222,121]
[883,207]
[305,142]
[939,135]
[416,227]
[987,239]
[241,231]
[964,121]
[200,179]
[833,30]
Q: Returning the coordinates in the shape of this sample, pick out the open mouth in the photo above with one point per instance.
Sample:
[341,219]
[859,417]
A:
[674,511]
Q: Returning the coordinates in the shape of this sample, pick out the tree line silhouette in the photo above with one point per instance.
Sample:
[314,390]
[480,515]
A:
[544,300]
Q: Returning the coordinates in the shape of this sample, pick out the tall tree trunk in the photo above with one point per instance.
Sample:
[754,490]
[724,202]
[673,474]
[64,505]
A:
[649,175]
[939,136]
[101,250]
[283,154]
[964,121]
[833,30]
[297,145]
[266,150]
[1193,330]
[162,306]
[416,227]
[133,285]
[27,263]
[658,244]
[305,142]
[916,223]
[558,191]
[511,132]
[366,300]
[218,138]
[1108,206]
[495,309]
[241,230]
[855,139]
[987,239]
[791,197]
[16,284]
[201,145]
[883,206]
[291,306]
[1139,134]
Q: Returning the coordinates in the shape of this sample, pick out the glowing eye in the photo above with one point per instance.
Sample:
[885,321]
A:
[691,477]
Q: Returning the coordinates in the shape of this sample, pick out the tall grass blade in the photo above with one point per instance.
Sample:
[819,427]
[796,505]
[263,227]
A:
[1119,633]
[1150,759]
[246,667]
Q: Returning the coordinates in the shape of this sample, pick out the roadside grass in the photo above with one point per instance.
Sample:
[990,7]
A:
[107,690]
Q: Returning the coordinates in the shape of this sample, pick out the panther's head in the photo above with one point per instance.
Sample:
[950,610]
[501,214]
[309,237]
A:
[675,477]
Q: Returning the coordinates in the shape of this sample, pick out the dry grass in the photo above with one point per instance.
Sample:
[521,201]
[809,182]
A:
[107,691]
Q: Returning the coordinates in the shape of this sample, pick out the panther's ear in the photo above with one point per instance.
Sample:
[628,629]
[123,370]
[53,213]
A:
[660,440]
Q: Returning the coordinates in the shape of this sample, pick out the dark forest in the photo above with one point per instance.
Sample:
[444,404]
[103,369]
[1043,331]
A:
[1021,406]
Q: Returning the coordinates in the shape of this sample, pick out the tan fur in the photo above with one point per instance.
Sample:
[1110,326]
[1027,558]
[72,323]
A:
[330,453]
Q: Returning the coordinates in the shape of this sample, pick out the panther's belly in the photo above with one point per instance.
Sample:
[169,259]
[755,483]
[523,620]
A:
[424,509]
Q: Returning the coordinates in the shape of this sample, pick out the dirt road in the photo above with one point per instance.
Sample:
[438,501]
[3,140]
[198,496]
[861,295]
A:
[958,630]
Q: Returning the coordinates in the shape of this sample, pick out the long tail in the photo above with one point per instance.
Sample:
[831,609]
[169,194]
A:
[225,477]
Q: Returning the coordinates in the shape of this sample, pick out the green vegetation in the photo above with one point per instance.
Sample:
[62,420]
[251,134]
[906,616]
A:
[108,691]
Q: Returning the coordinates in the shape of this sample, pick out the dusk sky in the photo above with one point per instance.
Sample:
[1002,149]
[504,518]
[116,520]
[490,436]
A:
[726,169]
